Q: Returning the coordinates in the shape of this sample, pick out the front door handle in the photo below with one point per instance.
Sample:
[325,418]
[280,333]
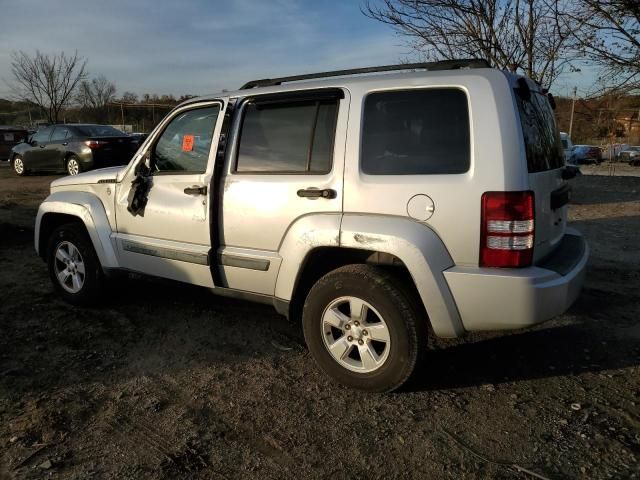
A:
[42,146]
[196,190]
[317,193]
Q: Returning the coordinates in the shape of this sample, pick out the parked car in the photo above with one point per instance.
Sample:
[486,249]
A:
[138,137]
[374,208]
[630,155]
[9,138]
[567,145]
[74,148]
[585,154]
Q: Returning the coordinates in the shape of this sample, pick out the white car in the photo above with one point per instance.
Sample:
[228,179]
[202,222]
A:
[370,207]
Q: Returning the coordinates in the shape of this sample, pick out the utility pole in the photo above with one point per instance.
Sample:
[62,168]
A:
[573,108]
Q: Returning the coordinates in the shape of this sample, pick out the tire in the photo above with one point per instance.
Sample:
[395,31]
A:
[388,305]
[72,165]
[73,265]
[18,166]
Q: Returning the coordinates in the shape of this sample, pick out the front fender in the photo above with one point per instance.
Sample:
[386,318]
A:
[90,210]
[422,252]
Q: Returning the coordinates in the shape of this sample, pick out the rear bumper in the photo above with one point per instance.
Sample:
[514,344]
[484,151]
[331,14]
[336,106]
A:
[500,299]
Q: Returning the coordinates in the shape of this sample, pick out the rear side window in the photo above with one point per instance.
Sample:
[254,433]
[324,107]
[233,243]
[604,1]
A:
[416,132]
[541,136]
[59,133]
[288,137]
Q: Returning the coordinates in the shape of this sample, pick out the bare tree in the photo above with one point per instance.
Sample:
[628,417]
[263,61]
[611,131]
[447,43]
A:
[48,81]
[529,36]
[97,93]
[129,97]
[610,39]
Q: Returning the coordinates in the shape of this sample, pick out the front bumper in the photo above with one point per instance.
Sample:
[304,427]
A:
[501,299]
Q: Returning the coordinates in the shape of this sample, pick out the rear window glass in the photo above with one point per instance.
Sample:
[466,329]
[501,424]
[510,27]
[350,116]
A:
[416,132]
[99,131]
[541,136]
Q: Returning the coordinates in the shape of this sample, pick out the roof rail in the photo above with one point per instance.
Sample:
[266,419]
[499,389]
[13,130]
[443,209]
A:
[440,65]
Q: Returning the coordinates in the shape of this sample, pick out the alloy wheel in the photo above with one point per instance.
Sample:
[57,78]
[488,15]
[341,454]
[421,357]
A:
[355,334]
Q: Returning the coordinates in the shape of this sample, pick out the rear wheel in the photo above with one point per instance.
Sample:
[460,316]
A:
[363,328]
[73,165]
[18,165]
[74,267]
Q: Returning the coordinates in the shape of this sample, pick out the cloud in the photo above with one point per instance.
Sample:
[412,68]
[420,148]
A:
[198,46]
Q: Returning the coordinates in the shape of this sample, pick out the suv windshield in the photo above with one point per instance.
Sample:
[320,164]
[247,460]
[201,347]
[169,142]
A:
[541,135]
[99,131]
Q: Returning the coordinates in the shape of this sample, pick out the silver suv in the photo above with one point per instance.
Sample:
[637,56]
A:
[374,207]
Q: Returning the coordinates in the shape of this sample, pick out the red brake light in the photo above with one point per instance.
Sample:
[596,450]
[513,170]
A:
[93,144]
[507,229]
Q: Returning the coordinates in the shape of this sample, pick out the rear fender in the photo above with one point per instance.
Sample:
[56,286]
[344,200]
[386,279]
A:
[422,252]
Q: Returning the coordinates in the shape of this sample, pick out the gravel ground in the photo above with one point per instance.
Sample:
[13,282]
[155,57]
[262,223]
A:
[168,381]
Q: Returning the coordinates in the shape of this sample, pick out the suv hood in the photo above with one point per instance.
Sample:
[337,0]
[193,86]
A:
[93,176]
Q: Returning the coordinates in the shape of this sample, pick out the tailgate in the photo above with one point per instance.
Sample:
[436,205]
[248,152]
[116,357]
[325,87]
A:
[545,161]
[552,197]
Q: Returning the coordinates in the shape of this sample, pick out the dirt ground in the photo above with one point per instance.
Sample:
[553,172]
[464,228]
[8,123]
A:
[168,381]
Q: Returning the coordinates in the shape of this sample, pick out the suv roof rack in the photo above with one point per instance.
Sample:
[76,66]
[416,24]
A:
[440,65]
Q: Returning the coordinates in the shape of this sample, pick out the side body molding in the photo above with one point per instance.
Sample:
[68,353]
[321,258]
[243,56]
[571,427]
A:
[423,253]
[88,208]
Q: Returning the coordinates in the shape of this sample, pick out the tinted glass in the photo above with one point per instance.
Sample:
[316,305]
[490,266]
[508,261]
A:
[42,135]
[541,135]
[59,133]
[99,131]
[293,137]
[322,151]
[417,132]
[184,145]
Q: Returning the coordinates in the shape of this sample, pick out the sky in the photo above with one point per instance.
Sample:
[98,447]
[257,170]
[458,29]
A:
[203,46]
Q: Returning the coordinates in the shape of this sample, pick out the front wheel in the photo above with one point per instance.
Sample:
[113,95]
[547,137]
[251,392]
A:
[74,267]
[18,165]
[363,329]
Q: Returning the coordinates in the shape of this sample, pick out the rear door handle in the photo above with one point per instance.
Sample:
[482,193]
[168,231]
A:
[317,193]
[196,190]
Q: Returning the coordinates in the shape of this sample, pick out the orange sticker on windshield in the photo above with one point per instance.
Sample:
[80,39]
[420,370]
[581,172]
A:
[187,143]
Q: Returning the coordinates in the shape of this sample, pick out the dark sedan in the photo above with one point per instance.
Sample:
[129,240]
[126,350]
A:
[585,154]
[74,148]
[9,138]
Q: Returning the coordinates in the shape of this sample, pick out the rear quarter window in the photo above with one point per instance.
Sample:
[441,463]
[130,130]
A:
[416,132]
[540,132]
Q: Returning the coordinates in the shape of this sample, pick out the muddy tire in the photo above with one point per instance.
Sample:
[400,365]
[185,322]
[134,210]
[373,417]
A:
[73,265]
[363,328]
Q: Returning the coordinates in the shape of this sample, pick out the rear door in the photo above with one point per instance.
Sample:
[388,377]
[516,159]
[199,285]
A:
[57,147]
[286,163]
[545,160]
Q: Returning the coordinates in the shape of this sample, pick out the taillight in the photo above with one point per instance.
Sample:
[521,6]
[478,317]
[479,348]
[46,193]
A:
[93,144]
[507,229]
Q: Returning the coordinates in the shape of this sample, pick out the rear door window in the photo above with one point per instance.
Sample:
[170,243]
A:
[289,137]
[59,134]
[541,136]
[416,132]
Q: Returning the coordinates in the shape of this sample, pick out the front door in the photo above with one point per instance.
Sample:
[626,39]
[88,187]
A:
[36,157]
[171,237]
